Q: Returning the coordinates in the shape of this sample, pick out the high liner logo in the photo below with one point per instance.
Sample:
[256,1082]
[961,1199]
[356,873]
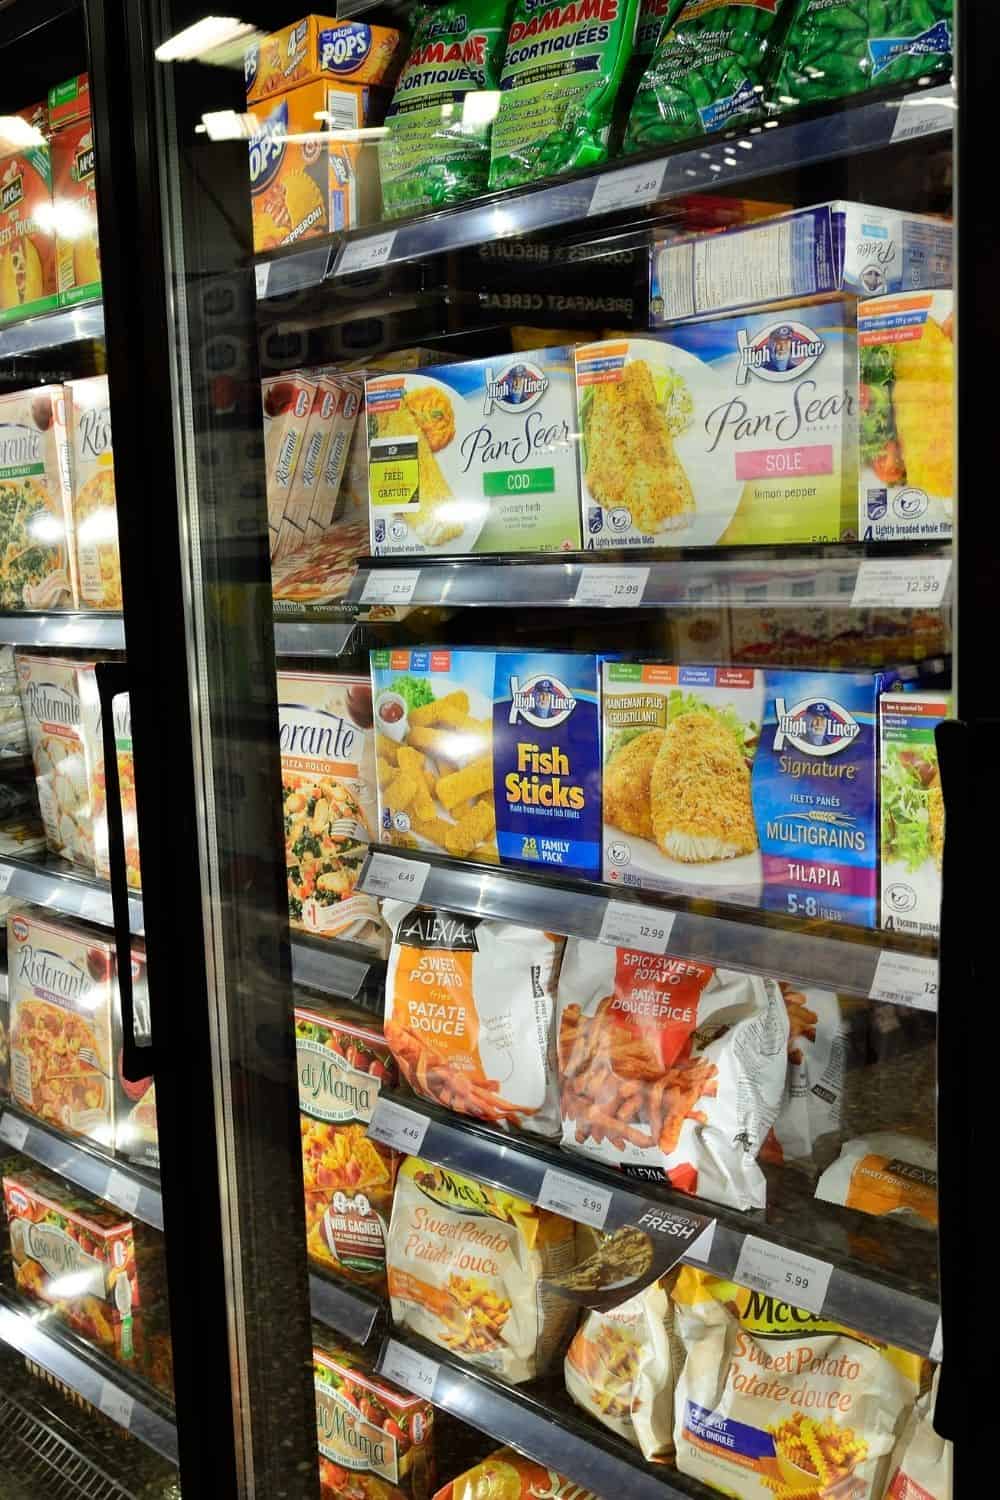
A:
[515,389]
[780,353]
[815,728]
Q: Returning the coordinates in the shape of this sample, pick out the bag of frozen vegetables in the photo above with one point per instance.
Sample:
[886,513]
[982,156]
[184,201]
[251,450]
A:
[839,47]
[435,151]
[564,66]
[709,71]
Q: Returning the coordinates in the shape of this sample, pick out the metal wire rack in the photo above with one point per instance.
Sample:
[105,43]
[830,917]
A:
[41,1460]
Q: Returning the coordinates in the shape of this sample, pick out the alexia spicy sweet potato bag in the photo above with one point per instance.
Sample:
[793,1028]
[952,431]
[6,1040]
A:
[469,1014]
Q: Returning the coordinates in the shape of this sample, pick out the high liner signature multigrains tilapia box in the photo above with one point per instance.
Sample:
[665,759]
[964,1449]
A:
[753,786]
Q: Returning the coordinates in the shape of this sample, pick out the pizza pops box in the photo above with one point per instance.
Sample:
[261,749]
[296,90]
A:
[320,47]
[28,283]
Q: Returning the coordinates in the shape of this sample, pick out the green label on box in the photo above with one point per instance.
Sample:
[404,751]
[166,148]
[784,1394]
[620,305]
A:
[625,671]
[394,474]
[520,482]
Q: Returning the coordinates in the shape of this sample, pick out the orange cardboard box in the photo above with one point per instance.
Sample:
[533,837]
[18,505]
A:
[74,181]
[27,235]
[320,47]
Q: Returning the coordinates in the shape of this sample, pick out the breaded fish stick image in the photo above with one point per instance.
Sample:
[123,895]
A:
[471,781]
[434,829]
[414,764]
[700,792]
[448,745]
[449,710]
[471,830]
[626,784]
[401,790]
[387,748]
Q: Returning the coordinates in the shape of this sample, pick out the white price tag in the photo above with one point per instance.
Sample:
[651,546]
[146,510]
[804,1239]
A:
[627,188]
[629,925]
[122,1191]
[906,979]
[574,1198]
[413,1371]
[614,588]
[6,876]
[14,1131]
[403,879]
[903,582]
[925,112]
[937,1344]
[261,277]
[798,1279]
[396,1126]
[364,255]
[390,587]
[116,1404]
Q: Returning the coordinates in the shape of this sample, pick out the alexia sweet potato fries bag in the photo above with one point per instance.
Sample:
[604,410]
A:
[469,1015]
[670,1068]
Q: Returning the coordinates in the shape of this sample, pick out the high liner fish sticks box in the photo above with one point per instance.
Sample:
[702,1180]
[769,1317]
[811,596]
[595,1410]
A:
[749,785]
[490,755]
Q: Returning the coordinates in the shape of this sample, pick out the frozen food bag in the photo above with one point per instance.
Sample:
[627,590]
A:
[776,1400]
[814,1081]
[562,70]
[922,1464]
[885,1173]
[622,1367]
[839,47]
[506,1475]
[470,1014]
[437,141]
[669,1067]
[465,1266]
[708,72]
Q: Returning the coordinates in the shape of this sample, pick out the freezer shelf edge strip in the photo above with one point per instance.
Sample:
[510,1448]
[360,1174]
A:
[345,1309]
[64,891]
[116,1182]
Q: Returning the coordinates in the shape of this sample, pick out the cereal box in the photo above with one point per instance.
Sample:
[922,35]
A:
[737,430]
[479,456]
[37,564]
[63,713]
[368,1429]
[94,508]
[62,1005]
[288,402]
[319,47]
[75,1255]
[78,255]
[906,394]
[342,1060]
[328,782]
[490,755]
[27,235]
[751,786]
[912,811]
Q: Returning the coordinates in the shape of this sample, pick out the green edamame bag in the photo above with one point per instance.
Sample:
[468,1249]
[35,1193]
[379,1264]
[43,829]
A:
[839,47]
[564,65]
[432,155]
[709,71]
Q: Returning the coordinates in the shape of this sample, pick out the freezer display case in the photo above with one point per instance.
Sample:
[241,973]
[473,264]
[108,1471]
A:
[481,613]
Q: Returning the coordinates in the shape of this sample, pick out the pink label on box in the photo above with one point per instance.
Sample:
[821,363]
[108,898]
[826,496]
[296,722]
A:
[821,878]
[782,463]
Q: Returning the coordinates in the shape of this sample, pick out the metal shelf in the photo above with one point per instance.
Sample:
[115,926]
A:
[334,968]
[856,1295]
[313,637]
[636,183]
[66,325]
[849,960]
[60,887]
[723,577]
[348,1310]
[118,1182]
[79,631]
[38,1336]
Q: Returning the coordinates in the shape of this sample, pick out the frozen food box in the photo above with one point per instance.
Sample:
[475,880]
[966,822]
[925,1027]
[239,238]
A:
[912,811]
[752,786]
[330,802]
[74,1255]
[69,102]
[74,190]
[309,471]
[906,423]
[95,513]
[737,430]
[492,756]
[136,1132]
[287,401]
[342,1060]
[27,233]
[479,456]
[369,1428]
[63,1047]
[62,711]
[831,247]
[37,565]
[121,710]
[319,47]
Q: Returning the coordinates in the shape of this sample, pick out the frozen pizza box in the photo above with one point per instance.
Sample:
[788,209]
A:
[733,430]
[479,456]
[368,1427]
[753,786]
[830,247]
[62,711]
[342,1061]
[912,809]
[492,756]
[74,185]
[27,231]
[121,710]
[288,402]
[95,513]
[37,561]
[136,1132]
[319,47]
[330,802]
[906,400]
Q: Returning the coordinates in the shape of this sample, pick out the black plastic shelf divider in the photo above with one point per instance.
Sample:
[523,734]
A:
[348,1310]
[118,1182]
[77,631]
[62,889]
[67,325]
[38,1337]
[313,637]
[850,961]
[333,968]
